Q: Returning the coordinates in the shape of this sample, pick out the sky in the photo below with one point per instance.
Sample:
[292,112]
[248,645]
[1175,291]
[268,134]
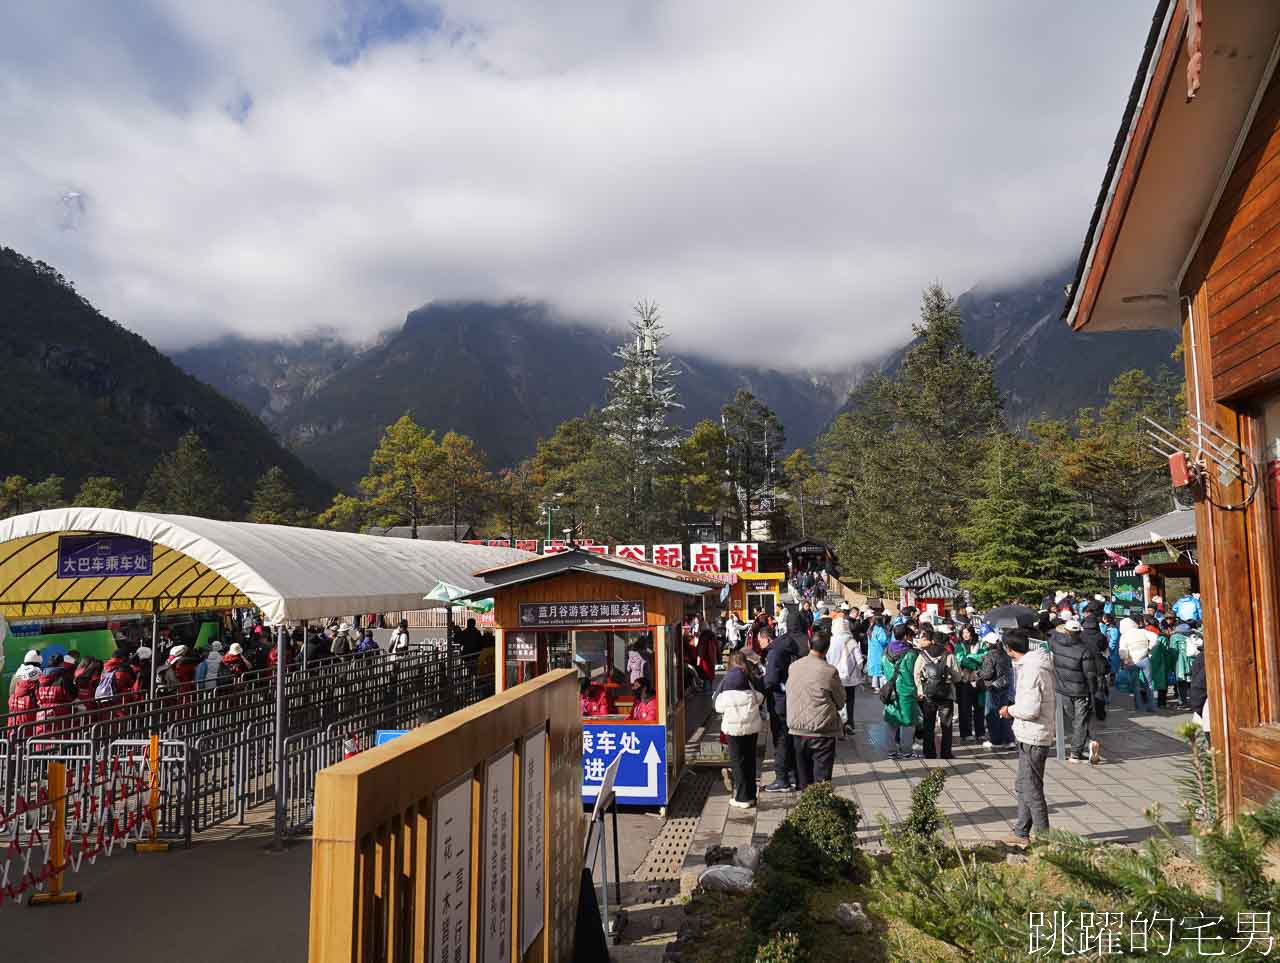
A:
[761,170]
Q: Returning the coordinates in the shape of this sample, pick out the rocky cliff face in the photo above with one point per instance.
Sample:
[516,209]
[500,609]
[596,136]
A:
[80,395]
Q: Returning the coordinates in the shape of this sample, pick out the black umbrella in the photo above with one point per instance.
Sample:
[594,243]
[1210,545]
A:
[1012,617]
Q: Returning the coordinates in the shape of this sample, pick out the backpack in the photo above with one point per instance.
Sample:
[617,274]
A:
[106,686]
[889,691]
[341,645]
[167,680]
[934,679]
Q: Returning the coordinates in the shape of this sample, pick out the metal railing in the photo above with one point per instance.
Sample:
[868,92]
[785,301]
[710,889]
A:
[218,756]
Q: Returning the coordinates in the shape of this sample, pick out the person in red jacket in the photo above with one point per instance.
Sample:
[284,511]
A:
[22,693]
[56,695]
[88,675]
[234,664]
[123,683]
[645,708]
[595,699]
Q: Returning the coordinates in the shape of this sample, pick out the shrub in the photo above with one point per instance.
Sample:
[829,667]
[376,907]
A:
[917,838]
[829,824]
[782,948]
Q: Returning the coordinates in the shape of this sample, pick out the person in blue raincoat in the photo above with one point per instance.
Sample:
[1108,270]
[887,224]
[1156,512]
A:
[877,639]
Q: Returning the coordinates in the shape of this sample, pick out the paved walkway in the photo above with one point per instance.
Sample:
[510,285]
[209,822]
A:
[1141,758]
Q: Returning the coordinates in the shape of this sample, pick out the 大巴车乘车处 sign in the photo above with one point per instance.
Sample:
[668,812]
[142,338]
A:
[103,556]
[642,774]
[558,614]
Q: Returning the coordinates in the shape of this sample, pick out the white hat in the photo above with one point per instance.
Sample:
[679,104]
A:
[344,628]
[236,649]
[68,660]
[991,638]
[215,645]
[1126,624]
[144,652]
[177,652]
[946,628]
[31,658]
[1071,625]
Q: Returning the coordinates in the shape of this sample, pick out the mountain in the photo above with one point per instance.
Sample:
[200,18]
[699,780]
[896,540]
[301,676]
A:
[1043,366]
[506,374]
[80,395]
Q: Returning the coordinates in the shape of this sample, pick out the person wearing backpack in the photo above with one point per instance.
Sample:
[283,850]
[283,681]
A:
[1075,673]
[898,693]
[234,664]
[935,674]
[116,686]
[87,676]
[996,675]
[56,695]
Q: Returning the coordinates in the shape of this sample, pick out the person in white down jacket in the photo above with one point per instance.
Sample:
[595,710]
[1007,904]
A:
[845,656]
[1034,729]
[739,701]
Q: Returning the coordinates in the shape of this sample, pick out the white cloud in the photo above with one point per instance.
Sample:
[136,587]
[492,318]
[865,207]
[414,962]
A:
[760,169]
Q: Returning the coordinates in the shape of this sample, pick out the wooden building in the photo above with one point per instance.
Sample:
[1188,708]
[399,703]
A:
[1186,235]
[578,609]
[1155,558]
[928,590]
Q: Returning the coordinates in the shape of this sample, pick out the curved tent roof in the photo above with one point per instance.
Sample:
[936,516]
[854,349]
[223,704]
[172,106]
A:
[202,563]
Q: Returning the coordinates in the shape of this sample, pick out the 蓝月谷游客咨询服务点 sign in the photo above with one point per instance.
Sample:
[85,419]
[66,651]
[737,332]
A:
[559,614]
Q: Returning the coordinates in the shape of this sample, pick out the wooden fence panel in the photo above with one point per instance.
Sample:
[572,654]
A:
[372,890]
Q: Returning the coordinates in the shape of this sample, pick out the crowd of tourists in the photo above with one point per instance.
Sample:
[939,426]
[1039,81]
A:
[998,678]
[49,689]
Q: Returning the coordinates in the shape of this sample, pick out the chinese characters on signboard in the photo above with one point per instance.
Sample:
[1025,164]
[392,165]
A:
[557,614]
[532,836]
[527,544]
[744,557]
[81,556]
[499,543]
[554,547]
[642,773]
[521,647]
[451,872]
[704,557]
[633,552]
[672,556]
[495,891]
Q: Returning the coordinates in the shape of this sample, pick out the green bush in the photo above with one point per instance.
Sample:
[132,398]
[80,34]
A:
[829,824]
[782,948]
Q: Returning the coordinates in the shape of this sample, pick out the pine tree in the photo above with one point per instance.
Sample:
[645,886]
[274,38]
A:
[641,398]
[1000,566]
[458,488]
[99,491]
[185,482]
[274,500]
[1023,532]
[905,460]
[756,440]
[346,513]
[398,488]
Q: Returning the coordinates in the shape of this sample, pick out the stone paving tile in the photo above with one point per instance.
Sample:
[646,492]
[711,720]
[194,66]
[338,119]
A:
[1141,756]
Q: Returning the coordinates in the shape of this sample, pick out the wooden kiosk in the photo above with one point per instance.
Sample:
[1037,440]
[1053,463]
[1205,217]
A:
[612,619]
[756,590]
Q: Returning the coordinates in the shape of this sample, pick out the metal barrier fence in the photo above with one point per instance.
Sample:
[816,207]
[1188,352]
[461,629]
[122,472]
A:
[217,748]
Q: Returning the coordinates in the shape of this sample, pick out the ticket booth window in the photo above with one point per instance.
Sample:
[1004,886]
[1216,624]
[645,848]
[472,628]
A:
[761,600]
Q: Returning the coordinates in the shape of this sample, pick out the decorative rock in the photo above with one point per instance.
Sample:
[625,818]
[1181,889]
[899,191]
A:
[748,857]
[717,855]
[726,879]
[1015,859]
[852,918]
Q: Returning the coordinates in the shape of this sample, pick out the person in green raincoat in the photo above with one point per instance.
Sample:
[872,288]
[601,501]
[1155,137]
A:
[903,713]
[1162,658]
[1181,663]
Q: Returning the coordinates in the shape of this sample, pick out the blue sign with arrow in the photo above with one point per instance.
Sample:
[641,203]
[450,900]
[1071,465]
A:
[642,773]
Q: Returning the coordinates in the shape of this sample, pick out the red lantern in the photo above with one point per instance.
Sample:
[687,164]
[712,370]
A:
[1143,569]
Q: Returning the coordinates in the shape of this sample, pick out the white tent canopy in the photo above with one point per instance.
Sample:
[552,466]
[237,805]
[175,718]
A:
[202,563]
